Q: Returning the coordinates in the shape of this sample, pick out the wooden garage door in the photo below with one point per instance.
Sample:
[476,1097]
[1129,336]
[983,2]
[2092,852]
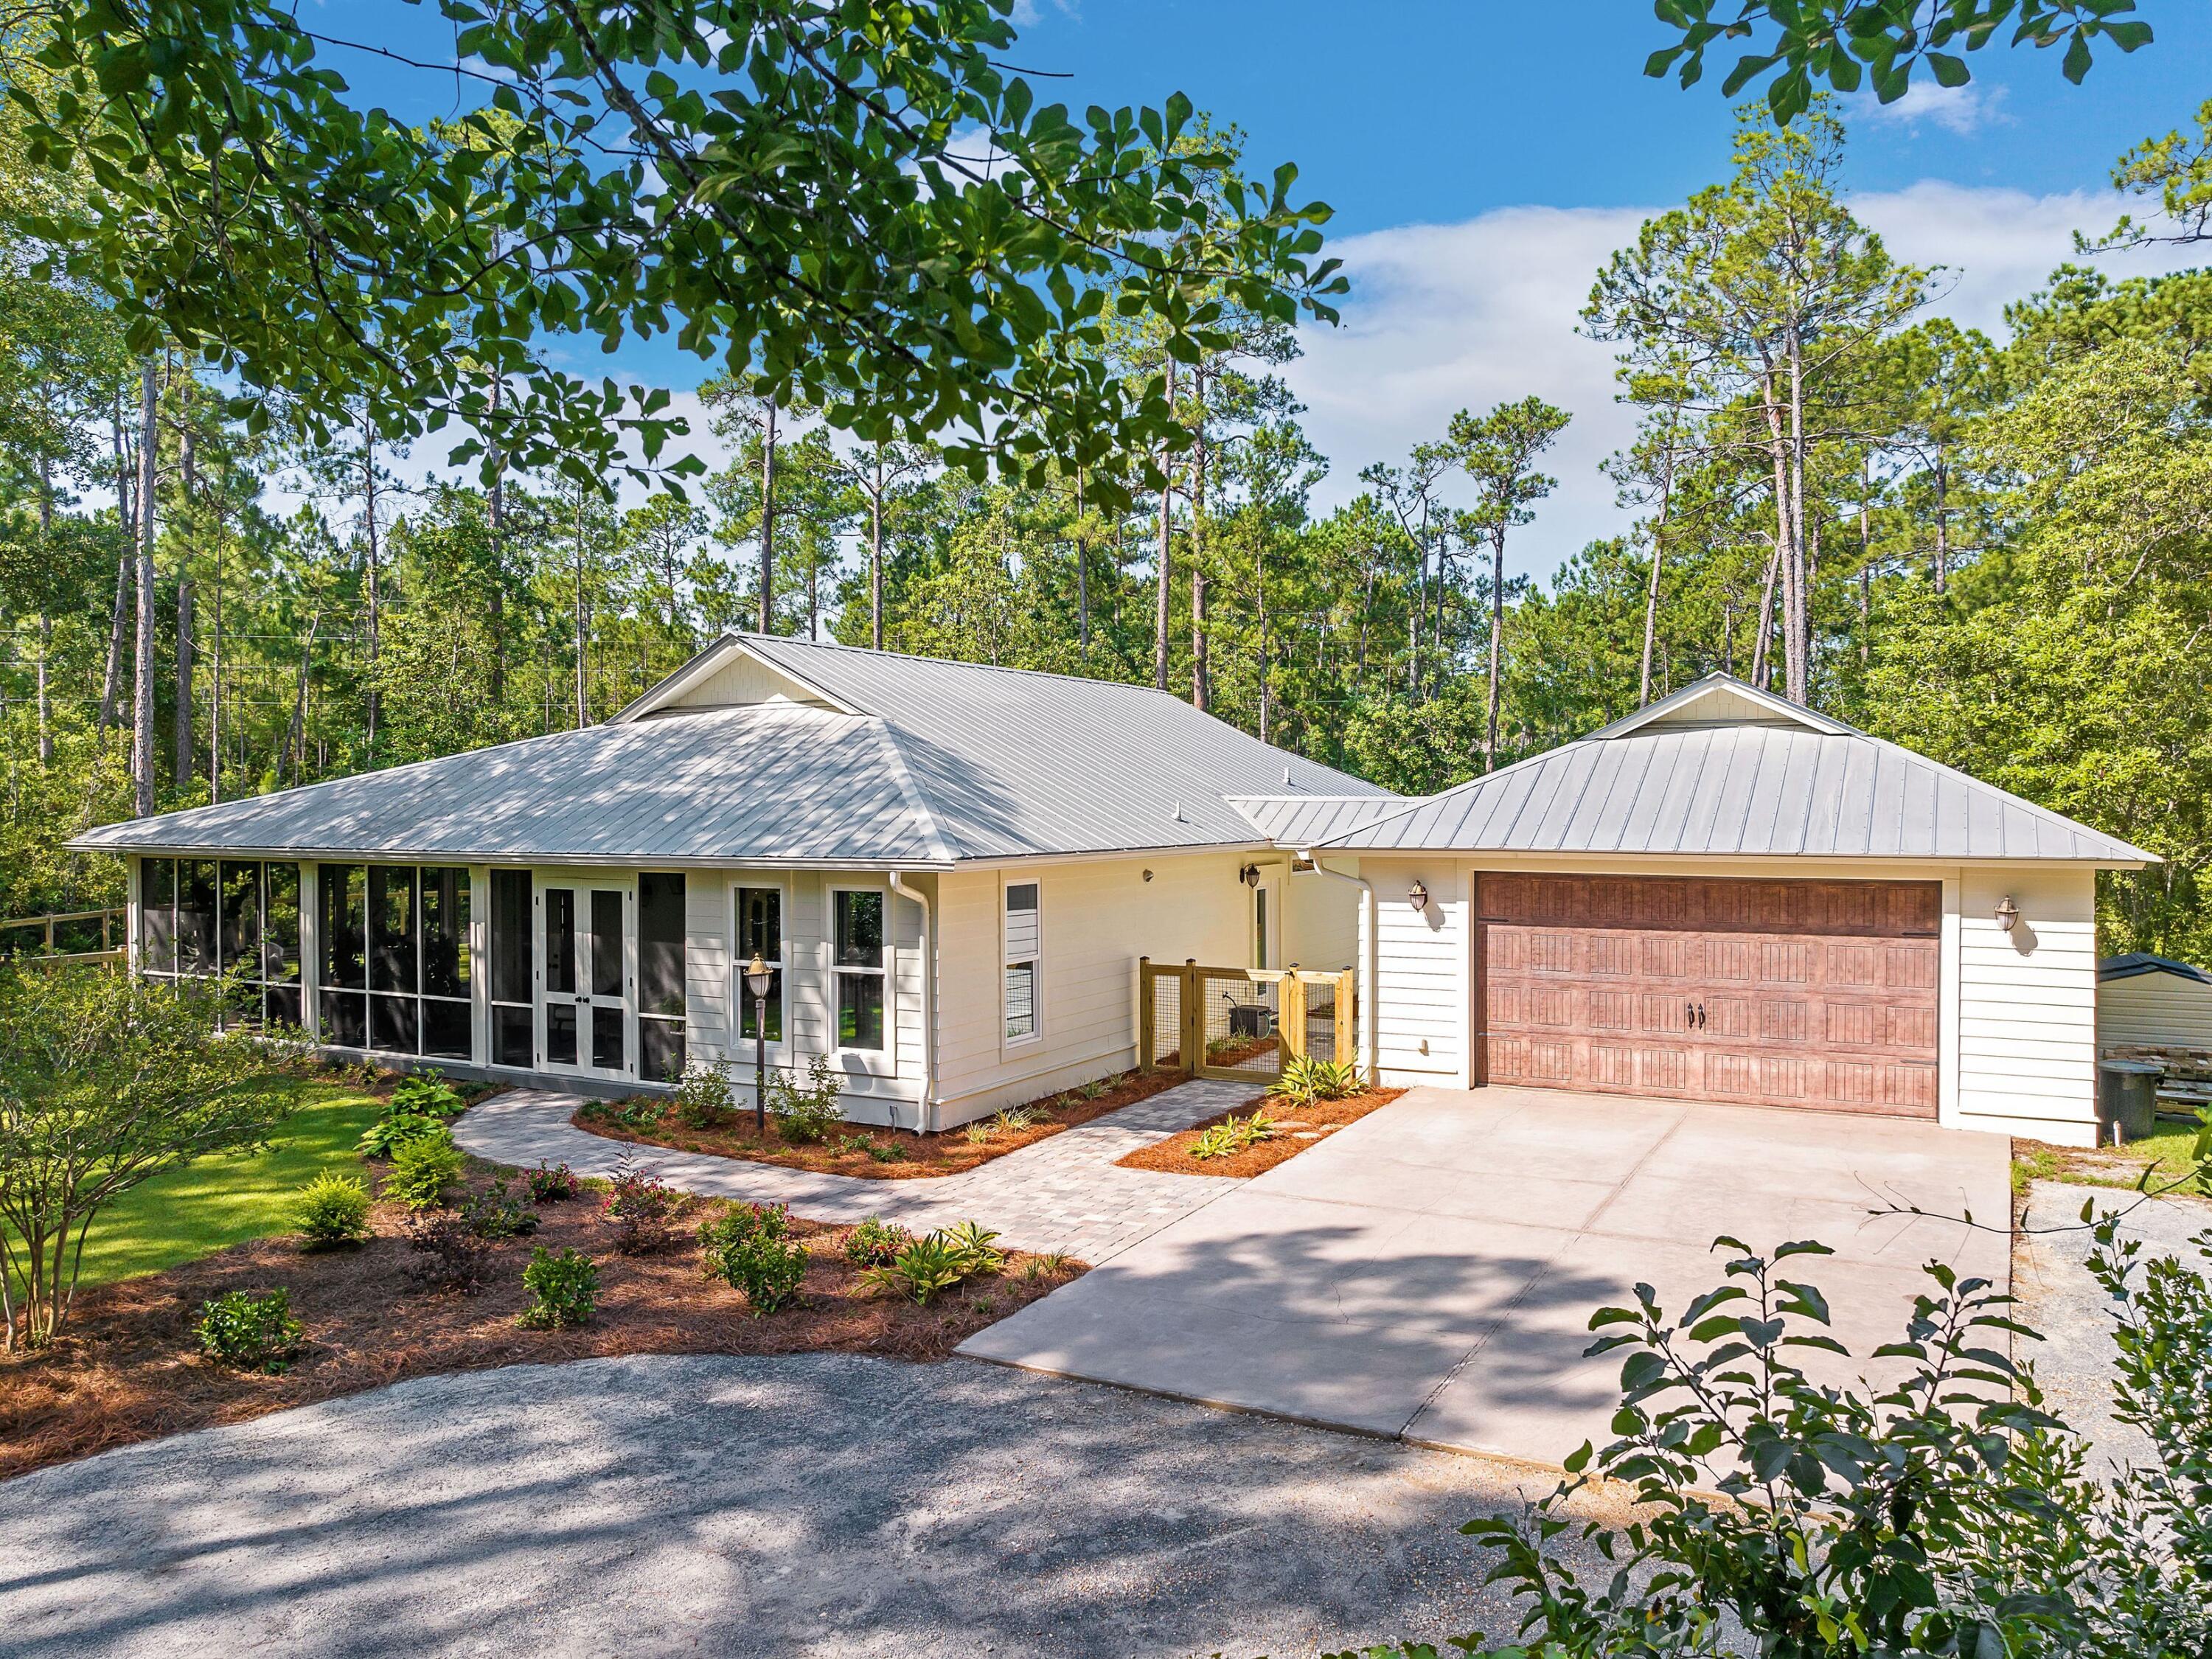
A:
[1818,993]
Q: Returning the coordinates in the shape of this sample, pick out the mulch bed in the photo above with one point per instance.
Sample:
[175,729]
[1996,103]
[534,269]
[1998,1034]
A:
[869,1149]
[129,1368]
[1317,1121]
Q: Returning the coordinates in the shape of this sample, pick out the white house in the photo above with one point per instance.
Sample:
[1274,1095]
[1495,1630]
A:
[1728,897]
[579,907]
[954,869]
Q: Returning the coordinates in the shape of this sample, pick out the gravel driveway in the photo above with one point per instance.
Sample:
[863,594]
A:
[820,1504]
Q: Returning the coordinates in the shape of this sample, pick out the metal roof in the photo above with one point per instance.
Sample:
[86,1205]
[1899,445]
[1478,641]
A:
[1763,778]
[1301,820]
[2141,962]
[915,763]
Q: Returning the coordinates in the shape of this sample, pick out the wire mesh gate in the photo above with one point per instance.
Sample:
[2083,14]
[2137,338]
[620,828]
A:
[1239,1022]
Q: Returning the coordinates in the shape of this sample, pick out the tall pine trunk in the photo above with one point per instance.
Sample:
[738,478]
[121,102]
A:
[1202,687]
[188,479]
[375,576]
[876,555]
[1497,644]
[1166,565]
[768,518]
[45,618]
[126,521]
[496,525]
[142,690]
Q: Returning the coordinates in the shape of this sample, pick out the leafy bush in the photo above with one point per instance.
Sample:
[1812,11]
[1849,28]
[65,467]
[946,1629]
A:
[884,1152]
[550,1184]
[1306,1080]
[806,1113]
[253,1333]
[704,1098]
[921,1271]
[450,1254]
[394,1130]
[637,1205]
[638,1112]
[426,1094]
[564,1289]
[331,1210]
[876,1243]
[425,1170]
[748,1247]
[497,1213]
[1234,1134]
[976,1247]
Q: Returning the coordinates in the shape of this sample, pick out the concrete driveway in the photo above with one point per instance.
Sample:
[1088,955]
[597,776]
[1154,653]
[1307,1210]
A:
[1428,1273]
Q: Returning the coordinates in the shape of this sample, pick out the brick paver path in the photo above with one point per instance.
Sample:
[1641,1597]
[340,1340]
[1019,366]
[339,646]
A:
[1062,1193]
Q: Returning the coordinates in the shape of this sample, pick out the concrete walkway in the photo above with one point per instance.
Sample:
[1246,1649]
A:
[1062,1193]
[820,1504]
[1428,1273]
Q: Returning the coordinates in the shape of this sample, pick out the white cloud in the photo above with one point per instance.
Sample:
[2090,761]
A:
[1960,111]
[1447,317]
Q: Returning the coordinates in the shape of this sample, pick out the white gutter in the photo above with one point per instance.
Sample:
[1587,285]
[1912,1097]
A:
[1370,1010]
[928,997]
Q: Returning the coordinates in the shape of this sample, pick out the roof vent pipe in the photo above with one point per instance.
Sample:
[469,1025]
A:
[1178,812]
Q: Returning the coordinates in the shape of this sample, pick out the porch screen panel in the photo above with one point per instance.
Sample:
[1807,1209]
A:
[157,916]
[513,1040]
[280,943]
[393,960]
[196,911]
[442,895]
[243,917]
[340,1001]
[660,981]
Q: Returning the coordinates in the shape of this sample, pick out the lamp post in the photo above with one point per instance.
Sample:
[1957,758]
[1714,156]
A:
[757,976]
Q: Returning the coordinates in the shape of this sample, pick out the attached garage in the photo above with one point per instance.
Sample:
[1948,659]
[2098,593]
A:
[1729,898]
[1763,993]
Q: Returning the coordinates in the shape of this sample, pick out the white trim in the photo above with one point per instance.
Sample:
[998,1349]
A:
[584,886]
[875,1062]
[1949,996]
[1010,1047]
[741,1048]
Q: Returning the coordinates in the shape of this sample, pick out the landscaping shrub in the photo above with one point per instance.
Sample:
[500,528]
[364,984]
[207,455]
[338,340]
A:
[450,1254]
[876,1243]
[804,1113]
[427,1094]
[331,1210]
[250,1331]
[921,1271]
[637,1205]
[704,1099]
[564,1289]
[976,1249]
[1306,1080]
[424,1169]
[550,1184]
[394,1130]
[640,1112]
[748,1248]
[1235,1135]
[497,1213]
[884,1152]
[978,1134]
[1016,1117]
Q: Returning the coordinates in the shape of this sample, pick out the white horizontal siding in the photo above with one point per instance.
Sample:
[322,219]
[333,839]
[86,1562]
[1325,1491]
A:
[1420,1000]
[2025,1050]
[2155,1011]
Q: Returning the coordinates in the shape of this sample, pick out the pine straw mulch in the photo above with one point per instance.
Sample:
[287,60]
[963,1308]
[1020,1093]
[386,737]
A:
[897,1154]
[130,1369]
[1301,1126]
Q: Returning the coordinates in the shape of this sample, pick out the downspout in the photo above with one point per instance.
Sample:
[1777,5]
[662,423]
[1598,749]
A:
[1371,1022]
[929,1114]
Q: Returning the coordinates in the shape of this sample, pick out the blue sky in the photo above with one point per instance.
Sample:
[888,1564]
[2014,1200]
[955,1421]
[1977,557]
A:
[1483,159]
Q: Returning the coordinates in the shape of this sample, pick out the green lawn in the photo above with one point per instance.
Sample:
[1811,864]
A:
[2169,1149]
[222,1200]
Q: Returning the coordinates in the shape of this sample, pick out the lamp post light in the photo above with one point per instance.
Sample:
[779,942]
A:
[757,977]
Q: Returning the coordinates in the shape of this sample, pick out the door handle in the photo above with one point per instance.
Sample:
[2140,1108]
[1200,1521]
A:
[1690,1016]
[1701,1016]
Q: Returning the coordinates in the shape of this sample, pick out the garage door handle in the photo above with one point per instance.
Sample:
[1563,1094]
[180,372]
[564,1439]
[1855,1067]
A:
[1690,1016]
[1701,1016]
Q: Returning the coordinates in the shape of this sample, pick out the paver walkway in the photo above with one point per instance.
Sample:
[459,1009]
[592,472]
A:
[1062,1193]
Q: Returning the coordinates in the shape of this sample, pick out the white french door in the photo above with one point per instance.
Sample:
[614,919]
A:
[586,962]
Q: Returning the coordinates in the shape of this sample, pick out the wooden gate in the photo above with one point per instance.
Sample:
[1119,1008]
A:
[1240,1021]
[75,936]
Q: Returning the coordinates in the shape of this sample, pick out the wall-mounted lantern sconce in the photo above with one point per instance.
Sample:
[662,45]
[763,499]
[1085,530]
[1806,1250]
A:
[1148,875]
[2008,913]
[1417,896]
[1249,875]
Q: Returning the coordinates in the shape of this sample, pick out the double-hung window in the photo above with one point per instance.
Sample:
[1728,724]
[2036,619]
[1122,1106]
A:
[1022,948]
[760,932]
[858,967]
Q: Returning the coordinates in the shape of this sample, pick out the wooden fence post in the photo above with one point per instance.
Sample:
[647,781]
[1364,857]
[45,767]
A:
[1290,1018]
[1347,1021]
[1147,1050]
[1191,1006]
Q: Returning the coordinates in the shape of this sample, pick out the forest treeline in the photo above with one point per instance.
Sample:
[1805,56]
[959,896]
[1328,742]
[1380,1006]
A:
[1996,552]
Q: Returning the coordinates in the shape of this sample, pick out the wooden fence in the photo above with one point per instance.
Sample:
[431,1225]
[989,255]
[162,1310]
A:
[1240,1021]
[69,936]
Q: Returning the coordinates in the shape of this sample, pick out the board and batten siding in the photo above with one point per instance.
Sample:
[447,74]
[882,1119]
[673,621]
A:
[2155,1011]
[1095,918]
[1423,1004]
[2025,1044]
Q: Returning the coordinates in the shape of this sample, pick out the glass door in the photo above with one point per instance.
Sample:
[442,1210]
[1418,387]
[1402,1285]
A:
[585,977]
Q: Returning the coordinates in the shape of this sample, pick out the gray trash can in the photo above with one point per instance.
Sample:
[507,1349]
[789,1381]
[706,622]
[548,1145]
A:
[2127,1099]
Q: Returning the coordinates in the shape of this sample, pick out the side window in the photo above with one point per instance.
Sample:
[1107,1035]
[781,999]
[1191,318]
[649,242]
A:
[760,931]
[859,966]
[1021,953]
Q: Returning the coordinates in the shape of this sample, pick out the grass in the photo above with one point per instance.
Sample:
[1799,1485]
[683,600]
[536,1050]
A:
[2169,1151]
[215,1202]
